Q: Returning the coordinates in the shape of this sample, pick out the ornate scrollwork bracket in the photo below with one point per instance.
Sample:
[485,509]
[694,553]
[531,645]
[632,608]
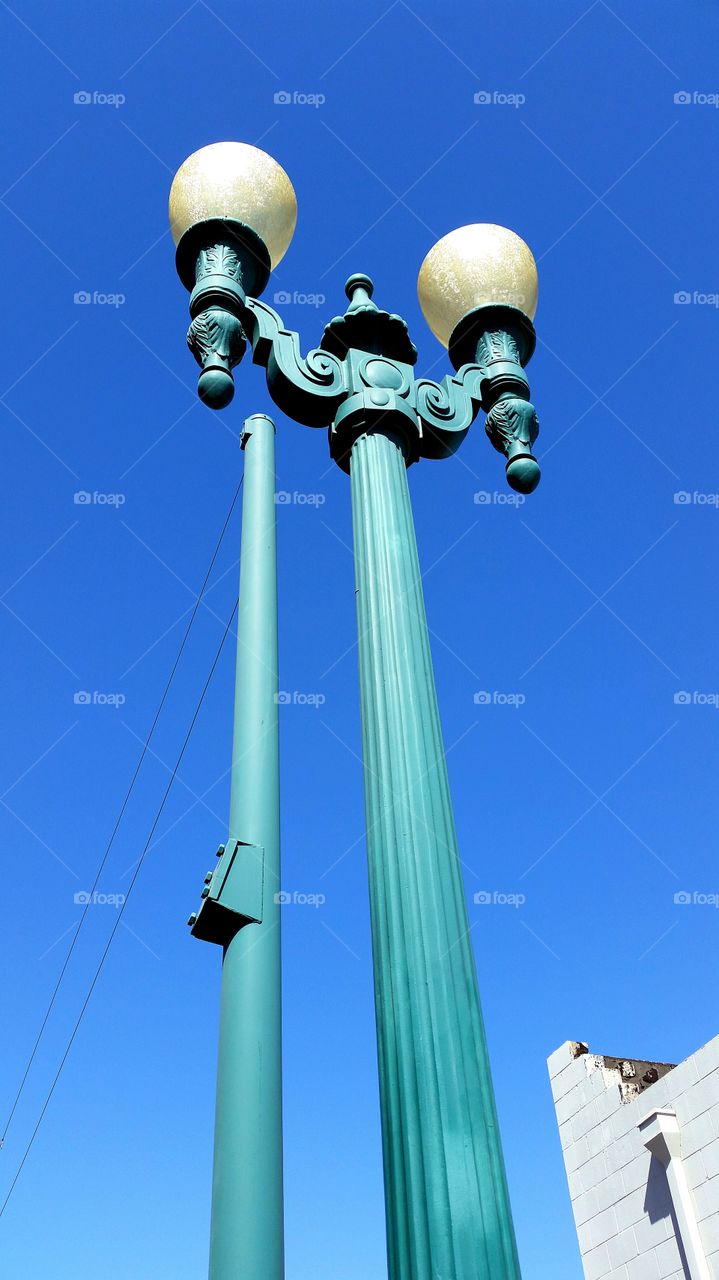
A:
[447,410]
[360,378]
[307,388]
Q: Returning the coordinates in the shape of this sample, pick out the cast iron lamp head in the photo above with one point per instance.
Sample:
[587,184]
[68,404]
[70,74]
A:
[233,213]
[476,281]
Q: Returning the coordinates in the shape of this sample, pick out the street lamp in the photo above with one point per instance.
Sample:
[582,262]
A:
[233,211]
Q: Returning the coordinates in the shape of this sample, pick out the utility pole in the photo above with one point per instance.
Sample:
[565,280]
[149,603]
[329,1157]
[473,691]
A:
[241,912]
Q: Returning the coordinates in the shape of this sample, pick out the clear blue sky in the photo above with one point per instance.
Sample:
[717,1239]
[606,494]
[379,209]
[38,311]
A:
[596,599]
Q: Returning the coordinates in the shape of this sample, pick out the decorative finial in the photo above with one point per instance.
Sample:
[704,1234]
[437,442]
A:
[365,327]
[359,289]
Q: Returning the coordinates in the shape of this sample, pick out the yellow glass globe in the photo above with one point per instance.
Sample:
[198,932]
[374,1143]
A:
[470,267]
[235,180]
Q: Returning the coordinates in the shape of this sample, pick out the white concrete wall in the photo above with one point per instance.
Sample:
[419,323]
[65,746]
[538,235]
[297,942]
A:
[620,1196]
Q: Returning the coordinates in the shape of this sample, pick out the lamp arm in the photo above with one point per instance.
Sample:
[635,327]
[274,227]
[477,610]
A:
[447,409]
[308,388]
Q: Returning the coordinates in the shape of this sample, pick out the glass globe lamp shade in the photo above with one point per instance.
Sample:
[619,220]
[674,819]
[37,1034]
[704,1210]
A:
[235,180]
[477,265]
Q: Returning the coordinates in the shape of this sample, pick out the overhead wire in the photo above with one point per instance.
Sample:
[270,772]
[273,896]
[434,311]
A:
[120,914]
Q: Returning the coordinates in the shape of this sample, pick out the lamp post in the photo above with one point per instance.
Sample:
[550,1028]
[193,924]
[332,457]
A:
[233,211]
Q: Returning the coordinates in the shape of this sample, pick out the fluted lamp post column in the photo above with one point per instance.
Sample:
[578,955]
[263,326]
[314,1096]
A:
[447,1205]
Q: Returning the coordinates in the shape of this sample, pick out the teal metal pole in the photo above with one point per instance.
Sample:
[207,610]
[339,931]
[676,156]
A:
[247,1232]
[447,1204]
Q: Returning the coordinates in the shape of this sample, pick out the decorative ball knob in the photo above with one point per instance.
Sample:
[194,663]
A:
[523,474]
[215,387]
[359,281]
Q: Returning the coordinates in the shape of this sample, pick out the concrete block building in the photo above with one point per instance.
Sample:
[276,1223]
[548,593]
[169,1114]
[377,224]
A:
[641,1151]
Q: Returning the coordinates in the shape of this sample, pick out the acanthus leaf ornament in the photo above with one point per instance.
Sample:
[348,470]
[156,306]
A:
[512,426]
[497,346]
[217,342]
[218,260]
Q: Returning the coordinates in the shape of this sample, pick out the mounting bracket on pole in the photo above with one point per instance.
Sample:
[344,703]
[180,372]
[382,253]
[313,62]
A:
[233,895]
